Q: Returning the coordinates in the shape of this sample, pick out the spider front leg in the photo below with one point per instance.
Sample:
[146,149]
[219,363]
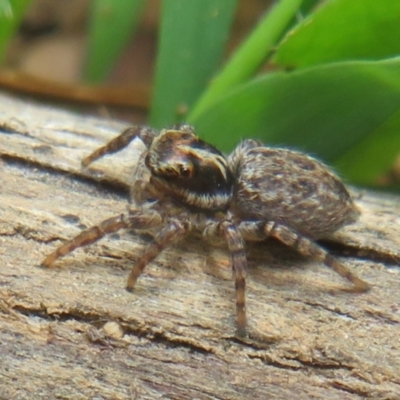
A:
[239,266]
[120,142]
[252,230]
[85,238]
[174,230]
[135,219]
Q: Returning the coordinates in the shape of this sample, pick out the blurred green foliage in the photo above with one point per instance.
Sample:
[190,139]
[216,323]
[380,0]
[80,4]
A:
[193,35]
[111,26]
[334,89]
[11,13]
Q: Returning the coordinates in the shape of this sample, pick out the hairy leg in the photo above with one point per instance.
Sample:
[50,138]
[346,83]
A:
[233,237]
[174,230]
[134,220]
[85,238]
[261,230]
[120,142]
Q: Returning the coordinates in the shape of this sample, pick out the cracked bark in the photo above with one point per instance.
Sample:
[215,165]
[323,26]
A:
[309,338]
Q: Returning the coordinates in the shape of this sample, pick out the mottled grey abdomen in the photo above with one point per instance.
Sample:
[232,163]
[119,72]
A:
[290,188]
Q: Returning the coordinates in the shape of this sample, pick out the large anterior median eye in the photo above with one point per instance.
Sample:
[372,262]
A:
[185,171]
[169,171]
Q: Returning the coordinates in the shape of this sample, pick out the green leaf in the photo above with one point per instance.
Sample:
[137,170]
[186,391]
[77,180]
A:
[343,30]
[11,13]
[325,110]
[249,57]
[373,156]
[192,41]
[110,28]
[308,5]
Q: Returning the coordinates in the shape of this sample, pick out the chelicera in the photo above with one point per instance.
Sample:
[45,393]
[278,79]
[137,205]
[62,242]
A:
[182,183]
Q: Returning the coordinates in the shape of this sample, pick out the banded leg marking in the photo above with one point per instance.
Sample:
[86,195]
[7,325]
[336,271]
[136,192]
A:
[85,238]
[120,142]
[239,269]
[169,234]
[305,246]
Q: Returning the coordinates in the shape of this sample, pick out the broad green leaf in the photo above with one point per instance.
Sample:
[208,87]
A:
[249,57]
[111,26]
[191,45]
[11,13]
[373,156]
[307,6]
[325,110]
[343,30]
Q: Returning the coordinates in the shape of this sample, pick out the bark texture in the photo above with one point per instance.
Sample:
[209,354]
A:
[73,332]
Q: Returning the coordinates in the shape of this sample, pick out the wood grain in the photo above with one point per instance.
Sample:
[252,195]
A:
[73,332]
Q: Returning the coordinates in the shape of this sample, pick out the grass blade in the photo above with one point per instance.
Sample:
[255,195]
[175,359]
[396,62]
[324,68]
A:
[192,41]
[245,62]
[11,13]
[111,26]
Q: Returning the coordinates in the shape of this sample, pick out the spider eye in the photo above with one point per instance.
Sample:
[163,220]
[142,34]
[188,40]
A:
[169,171]
[185,171]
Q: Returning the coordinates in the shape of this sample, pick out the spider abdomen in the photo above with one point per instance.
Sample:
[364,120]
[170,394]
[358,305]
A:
[292,189]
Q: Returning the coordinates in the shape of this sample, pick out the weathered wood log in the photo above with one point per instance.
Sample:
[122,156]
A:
[73,332]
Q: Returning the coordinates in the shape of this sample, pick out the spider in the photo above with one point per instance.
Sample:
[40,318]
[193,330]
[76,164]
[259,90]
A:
[183,183]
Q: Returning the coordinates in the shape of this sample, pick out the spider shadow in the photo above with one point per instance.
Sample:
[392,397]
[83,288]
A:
[271,263]
[263,257]
[277,266]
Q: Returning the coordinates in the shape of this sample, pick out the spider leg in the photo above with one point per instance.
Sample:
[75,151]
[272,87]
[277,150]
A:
[85,238]
[261,230]
[174,230]
[120,142]
[235,243]
[135,219]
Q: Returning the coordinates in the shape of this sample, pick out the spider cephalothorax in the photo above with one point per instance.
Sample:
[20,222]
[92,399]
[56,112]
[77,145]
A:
[255,193]
[194,173]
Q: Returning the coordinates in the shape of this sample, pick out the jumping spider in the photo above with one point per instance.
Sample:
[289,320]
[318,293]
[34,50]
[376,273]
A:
[182,183]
